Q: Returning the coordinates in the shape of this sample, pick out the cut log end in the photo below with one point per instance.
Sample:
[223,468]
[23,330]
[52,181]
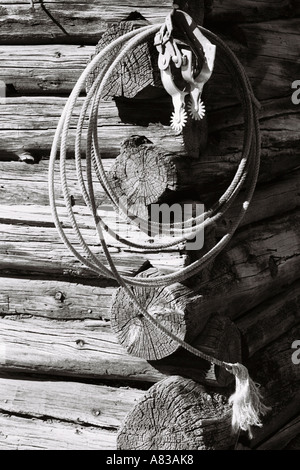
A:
[139,337]
[178,414]
[141,175]
[136,71]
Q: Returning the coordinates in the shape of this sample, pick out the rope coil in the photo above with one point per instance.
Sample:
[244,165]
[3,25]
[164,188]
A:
[246,175]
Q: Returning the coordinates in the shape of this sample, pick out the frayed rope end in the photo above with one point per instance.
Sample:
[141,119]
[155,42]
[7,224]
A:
[246,400]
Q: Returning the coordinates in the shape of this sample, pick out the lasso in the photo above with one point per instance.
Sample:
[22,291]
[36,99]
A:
[246,403]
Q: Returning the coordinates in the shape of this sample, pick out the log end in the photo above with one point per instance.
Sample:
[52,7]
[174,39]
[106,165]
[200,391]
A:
[178,414]
[168,305]
[139,337]
[141,175]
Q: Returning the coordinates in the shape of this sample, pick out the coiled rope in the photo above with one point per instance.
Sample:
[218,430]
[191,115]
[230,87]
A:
[246,400]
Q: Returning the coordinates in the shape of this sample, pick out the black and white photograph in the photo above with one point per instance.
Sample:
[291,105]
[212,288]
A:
[149,228]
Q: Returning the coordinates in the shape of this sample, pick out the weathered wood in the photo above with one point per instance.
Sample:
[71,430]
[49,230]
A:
[88,348]
[21,131]
[279,420]
[85,349]
[220,339]
[27,185]
[175,307]
[283,437]
[38,249]
[253,267]
[44,347]
[272,367]
[271,319]
[135,72]
[138,70]
[279,133]
[36,229]
[72,402]
[144,174]
[247,274]
[268,51]
[24,191]
[268,201]
[265,255]
[54,299]
[43,69]
[39,434]
[226,14]
[294,444]
[178,414]
[20,24]
[69,349]
[70,21]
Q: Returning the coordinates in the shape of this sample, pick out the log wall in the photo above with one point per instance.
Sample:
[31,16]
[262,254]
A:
[65,382]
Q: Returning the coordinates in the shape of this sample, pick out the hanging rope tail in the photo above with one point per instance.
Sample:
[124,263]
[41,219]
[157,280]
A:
[247,407]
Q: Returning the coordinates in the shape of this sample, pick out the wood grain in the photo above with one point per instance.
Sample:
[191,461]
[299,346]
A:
[268,200]
[273,368]
[233,12]
[43,69]
[98,406]
[55,315]
[80,22]
[21,131]
[171,306]
[259,259]
[221,339]
[268,51]
[270,319]
[29,124]
[283,437]
[68,349]
[35,434]
[24,196]
[27,185]
[54,299]
[39,250]
[252,268]
[67,21]
[178,414]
